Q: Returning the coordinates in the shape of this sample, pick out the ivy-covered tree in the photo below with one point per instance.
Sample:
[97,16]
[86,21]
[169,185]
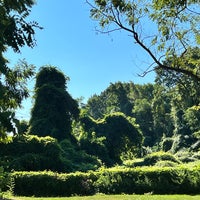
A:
[116,135]
[15,32]
[54,108]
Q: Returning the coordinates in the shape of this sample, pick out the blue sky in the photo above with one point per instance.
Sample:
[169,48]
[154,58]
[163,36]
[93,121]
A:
[69,41]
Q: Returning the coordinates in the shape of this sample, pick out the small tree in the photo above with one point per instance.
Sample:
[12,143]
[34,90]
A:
[54,108]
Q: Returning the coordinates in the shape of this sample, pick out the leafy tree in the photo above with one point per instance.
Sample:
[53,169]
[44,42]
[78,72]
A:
[183,91]
[118,97]
[122,136]
[187,88]
[144,117]
[175,26]
[54,108]
[15,32]
[161,109]
[22,126]
[192,117]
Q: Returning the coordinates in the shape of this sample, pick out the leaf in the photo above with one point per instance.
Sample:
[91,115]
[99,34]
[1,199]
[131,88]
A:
[197,36]
[154,41]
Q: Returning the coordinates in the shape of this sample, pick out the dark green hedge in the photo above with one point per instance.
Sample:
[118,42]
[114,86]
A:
[52,184]
[167,180]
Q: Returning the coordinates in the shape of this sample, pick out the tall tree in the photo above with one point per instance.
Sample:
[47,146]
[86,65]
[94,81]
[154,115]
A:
[54,108]
[174,27]
[15,32]
[116,98]
[185,93]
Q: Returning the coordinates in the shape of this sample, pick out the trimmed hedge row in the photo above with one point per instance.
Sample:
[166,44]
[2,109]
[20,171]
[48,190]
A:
[168,180]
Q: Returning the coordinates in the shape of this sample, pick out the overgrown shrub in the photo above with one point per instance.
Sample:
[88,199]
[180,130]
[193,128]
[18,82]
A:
[31,153]
[76,159]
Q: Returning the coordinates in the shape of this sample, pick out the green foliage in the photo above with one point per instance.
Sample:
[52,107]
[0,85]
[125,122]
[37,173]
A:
[166,163]
[153,158]
[156,180]
[174,28]
[22,126]
[113,136]
[75,159]
[6,182]
[52,184]
[33,153]
[132,100]
[15,32]
[142,111]
[54,108]
[192,116]
[29,152]
[118,97]
[12,91]
[166,144]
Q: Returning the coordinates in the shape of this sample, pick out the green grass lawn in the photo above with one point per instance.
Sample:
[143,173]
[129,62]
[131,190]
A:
[117,197]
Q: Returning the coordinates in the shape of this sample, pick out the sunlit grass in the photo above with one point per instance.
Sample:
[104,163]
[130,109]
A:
[117,197]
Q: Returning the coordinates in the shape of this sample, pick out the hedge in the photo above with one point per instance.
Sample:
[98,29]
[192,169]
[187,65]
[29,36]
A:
[167,180]
[52,184]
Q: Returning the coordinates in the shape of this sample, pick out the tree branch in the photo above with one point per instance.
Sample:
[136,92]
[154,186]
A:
[116,20]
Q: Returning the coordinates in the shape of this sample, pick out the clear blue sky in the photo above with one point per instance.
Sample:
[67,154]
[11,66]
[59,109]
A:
[70,42]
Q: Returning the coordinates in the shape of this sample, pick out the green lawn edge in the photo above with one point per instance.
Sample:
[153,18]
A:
[115,197]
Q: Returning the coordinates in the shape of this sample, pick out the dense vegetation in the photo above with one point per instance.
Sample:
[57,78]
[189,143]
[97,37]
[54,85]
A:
[150,132]
[118,180]
[129,125]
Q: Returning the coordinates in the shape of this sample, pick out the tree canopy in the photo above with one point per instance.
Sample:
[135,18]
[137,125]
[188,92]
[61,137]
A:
[164,29]
[15,32]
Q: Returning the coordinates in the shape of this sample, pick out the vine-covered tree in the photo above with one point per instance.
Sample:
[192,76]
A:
[164,29]
[15,32]
[54,108]
[115,136]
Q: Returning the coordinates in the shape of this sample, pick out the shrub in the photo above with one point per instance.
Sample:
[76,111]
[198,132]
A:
[166,163]
[31,153]
[157,180]
[155,157]
[52,184]
[6,182]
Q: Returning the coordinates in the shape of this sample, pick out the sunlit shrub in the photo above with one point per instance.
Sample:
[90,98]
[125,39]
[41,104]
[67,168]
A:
[158,180]
[153,158]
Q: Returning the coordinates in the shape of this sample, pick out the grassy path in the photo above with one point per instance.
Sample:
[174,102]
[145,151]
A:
[117,197]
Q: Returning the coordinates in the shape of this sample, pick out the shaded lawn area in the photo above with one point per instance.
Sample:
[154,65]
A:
[117,197]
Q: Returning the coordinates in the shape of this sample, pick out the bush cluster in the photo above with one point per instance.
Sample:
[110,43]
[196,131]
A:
[157,180]
[33,153]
